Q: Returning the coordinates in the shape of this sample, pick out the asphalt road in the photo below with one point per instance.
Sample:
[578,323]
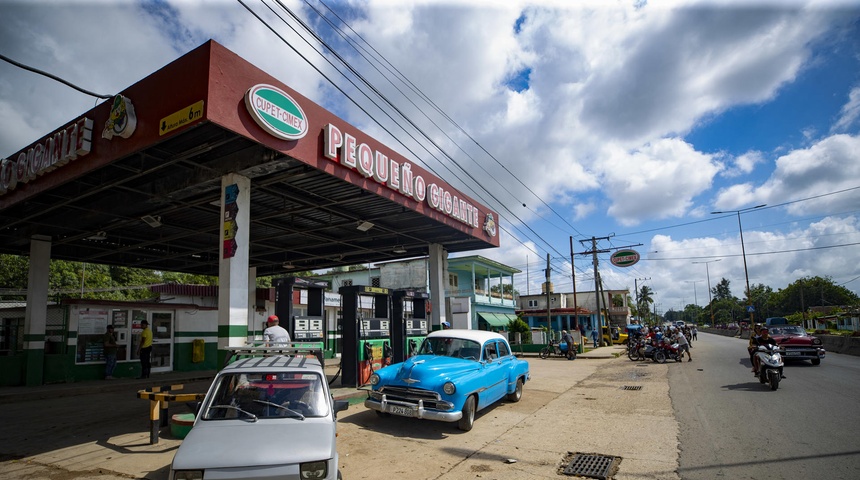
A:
[733,427]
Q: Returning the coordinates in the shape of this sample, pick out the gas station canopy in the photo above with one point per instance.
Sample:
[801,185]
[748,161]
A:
[139,181]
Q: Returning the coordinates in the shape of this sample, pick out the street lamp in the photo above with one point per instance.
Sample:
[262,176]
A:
[711,303]
[743,250]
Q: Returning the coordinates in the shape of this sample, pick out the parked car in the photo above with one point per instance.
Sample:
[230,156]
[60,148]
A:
[455,374]
[613,336]
[796,344]
[268,415]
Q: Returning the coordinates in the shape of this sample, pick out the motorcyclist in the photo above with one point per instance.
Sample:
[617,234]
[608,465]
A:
[753,345]
[762,340]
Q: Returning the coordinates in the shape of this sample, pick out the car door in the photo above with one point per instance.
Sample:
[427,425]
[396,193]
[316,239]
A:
[495,375]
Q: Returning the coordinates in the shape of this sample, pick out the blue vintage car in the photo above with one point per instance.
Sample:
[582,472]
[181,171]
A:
[455,374]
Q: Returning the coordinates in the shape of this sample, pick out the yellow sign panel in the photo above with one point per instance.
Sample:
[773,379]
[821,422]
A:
[181,118]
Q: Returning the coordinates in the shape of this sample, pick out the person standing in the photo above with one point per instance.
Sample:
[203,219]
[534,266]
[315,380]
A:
[594,337]
[695,332]
[567,338]
[275,334]
[144,349]
[683,345]
[110,348]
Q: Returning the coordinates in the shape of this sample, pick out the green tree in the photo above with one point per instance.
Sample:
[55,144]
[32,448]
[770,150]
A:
[518,325]
[721,290]
[646,298]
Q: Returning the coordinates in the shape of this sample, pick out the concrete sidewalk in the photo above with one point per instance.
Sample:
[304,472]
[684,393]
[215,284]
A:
[163,380]
[99,429]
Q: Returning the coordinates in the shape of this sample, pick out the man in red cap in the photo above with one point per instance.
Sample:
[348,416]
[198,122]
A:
[275,334]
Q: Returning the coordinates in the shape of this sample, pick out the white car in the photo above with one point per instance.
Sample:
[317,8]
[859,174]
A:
[269,415]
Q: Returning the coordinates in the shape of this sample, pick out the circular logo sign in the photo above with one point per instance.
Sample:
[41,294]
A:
[624,258]
[276,112]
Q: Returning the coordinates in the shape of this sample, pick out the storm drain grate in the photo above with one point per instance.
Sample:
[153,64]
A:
[593,466]
[632,387]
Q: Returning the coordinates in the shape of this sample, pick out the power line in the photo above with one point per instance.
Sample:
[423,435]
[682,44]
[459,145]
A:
[52,77]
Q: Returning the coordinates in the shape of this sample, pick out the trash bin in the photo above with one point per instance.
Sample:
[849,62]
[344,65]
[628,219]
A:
[180,424]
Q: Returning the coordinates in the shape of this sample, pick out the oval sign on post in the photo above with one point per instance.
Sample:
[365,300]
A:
[624,258]
[276,112]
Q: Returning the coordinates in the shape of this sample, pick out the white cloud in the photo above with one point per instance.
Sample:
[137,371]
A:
[829,166]
[850,112]
[658,180]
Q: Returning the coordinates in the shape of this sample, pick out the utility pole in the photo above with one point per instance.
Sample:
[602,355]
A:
[594,251]
[573,278]
[546,287]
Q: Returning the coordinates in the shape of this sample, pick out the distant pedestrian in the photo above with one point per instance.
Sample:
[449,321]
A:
[144,349]
[568,339]
[110,349]
[695,333]
[594,337]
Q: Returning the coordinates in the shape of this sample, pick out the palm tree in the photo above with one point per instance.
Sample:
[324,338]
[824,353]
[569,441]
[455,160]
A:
[646,297]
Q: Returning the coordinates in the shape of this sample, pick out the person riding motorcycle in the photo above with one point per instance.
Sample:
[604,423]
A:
[763,339]
[753,345]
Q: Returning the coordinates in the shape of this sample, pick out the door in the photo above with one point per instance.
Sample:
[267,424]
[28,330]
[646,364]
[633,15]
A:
[162,341]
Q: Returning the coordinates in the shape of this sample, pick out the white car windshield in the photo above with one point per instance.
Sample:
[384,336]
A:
[451,347]
[252,396]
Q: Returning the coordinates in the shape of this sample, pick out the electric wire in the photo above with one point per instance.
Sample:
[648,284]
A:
[53,77]
[313,34]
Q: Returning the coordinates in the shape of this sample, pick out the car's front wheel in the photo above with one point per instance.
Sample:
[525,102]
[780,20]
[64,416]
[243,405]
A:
[517,394]
[816,361]
[468,418]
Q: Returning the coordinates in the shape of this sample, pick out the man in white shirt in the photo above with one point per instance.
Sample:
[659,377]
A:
[275,334]
[683,345]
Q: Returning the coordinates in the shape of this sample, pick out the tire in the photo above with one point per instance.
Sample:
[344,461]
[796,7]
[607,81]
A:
[762,377]
[633,355]
[517,393]
[544,353]
[774,380]
[467,421]
[660,356]
[816,361]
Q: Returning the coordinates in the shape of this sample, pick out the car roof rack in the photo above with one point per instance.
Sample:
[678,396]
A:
[287,350]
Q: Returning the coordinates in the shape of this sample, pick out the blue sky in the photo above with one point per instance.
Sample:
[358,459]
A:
[628,119]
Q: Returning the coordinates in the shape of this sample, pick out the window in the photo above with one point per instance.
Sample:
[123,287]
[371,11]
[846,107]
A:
[346,283]
[452,280]
[375,282]
[11,335]
[503,349]
[490,352]
[533,303]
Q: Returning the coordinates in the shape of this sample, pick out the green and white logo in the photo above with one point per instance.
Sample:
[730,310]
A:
[276,112]
[624,258]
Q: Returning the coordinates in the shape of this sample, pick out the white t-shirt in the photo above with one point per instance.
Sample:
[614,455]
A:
[276,334]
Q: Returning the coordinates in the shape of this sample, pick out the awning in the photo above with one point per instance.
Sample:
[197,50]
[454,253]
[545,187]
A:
[499,320]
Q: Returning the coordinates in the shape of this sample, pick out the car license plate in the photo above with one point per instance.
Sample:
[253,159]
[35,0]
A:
[402,411]
[793,353]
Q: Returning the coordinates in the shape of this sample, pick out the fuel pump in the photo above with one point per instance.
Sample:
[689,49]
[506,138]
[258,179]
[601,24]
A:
[307,331]
[366,339]
[409,324]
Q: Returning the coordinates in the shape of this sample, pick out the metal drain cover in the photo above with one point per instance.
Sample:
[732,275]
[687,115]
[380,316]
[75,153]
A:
[632,387]
[593,466]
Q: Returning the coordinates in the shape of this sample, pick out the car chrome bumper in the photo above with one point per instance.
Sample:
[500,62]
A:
[418,411]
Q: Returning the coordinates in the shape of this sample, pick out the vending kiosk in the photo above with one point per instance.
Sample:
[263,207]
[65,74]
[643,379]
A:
[366,337]
[306,331]
[409,323]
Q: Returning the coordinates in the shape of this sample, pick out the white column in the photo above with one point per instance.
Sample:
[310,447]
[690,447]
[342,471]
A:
[233,301]
[36,311]
[253,324]
[438,280]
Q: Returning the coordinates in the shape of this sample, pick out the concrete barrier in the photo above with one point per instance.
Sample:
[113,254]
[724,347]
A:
[832,343]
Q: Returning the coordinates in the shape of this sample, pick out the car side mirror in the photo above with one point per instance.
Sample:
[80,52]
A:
[340,405]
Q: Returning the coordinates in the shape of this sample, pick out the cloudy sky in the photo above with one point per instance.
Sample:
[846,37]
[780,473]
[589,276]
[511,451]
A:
[627,121]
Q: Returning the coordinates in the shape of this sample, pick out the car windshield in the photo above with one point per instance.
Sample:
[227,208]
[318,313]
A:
[787,330]
[451,347]
[252,396]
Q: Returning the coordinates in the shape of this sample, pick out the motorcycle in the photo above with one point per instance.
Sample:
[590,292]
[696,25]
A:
[560,349]
[636,350]
[770,365]
[667,351]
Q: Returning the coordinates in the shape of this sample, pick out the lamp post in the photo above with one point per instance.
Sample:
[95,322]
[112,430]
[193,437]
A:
[743,250]
[711,303]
